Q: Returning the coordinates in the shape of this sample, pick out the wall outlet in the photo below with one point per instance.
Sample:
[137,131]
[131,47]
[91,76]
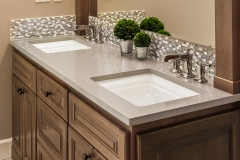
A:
[57,0]
[43,0]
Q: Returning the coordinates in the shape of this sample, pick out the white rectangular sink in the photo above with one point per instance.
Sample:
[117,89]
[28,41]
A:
[60,46]
[147,87]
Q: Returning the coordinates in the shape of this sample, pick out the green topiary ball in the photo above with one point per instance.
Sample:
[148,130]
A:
[164,32]
[126,29]
[142,40]
[152,24]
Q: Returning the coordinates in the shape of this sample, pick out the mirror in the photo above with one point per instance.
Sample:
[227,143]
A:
[191,20]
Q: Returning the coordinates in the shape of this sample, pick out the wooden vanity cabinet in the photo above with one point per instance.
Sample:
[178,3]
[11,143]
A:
[51,130]
[215,137]
[80,149]
[64,125]
[24,121]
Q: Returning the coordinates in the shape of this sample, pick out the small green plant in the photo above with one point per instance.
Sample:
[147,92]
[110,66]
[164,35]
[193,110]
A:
[126,29]
[164,32]
[142,40]
[152,24]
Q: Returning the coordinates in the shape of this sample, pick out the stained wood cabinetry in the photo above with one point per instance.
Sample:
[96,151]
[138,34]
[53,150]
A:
[24,122]
[50,122]
[211,138]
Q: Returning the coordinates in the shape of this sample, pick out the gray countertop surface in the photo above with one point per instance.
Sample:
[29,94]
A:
[77,67]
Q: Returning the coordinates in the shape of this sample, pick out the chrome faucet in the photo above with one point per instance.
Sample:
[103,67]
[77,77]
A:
[93,32]
[201,72]
[186,58]
[176,61]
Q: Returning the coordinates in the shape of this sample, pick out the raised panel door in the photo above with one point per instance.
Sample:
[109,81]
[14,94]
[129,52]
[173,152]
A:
[213,138]
[17,120]
[29,124]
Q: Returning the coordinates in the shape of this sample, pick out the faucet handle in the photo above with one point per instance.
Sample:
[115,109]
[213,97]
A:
[201,72]
[176,66]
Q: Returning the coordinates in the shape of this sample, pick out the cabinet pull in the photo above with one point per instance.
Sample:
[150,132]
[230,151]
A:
[46,93]
[20,91]
[85,156]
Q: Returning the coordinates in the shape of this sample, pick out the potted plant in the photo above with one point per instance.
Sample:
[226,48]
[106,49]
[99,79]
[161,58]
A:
[125,30]
[142,41]
[164,32]
[152,24]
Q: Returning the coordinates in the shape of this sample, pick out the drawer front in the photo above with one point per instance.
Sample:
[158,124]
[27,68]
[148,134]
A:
[24,71]
[77,146]
[53,94]
[106,137]
[51,130]
[44,153]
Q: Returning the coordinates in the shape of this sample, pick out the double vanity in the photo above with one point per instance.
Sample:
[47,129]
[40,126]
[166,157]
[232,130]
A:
[74,99]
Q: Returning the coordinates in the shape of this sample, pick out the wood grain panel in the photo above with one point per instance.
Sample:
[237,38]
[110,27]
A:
[45,153]
[17,117]
[77,146]
[29,124]
[24,71]
[14,155]
[208,139]
[97,155]
[51,130]
[57,98]
[106,137]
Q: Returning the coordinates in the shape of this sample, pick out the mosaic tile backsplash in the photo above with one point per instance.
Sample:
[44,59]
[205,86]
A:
[42,27]
[161,44]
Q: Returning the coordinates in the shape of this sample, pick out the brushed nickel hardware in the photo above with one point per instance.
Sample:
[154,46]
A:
[186,58]
[201,72]
[176,61]
[93,32]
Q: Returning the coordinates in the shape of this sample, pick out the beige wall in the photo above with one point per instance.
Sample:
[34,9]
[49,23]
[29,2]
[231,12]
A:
[192,20]
[16,9]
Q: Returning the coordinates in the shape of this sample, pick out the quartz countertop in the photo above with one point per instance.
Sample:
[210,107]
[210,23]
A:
[77,67]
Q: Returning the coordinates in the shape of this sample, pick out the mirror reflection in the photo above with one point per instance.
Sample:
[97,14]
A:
[191,20]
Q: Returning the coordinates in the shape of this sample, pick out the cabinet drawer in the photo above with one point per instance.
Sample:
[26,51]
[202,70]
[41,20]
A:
[53,94]
[51,130]
[77,146]
[107,138]
[24,71]
[44,153]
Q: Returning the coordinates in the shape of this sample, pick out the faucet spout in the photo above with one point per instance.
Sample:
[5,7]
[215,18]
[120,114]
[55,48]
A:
[169,56]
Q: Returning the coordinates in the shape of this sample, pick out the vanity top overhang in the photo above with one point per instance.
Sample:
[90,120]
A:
[76,68]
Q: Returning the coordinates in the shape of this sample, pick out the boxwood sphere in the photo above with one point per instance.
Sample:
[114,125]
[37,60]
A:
[152,24]
[142,40]
[126,29]
[164,32]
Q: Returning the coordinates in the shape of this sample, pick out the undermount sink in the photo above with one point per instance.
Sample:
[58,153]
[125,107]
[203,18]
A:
[60,46]
[147,87]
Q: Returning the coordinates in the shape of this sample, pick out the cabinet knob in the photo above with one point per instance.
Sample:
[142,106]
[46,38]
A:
[85,156]
[46,93]
[20,91]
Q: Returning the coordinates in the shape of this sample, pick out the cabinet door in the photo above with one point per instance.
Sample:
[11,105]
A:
[25,71]
[17,112]
[78,147]
[44,153]
[51,130]
[109,139]
[207,139]
[29,124]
